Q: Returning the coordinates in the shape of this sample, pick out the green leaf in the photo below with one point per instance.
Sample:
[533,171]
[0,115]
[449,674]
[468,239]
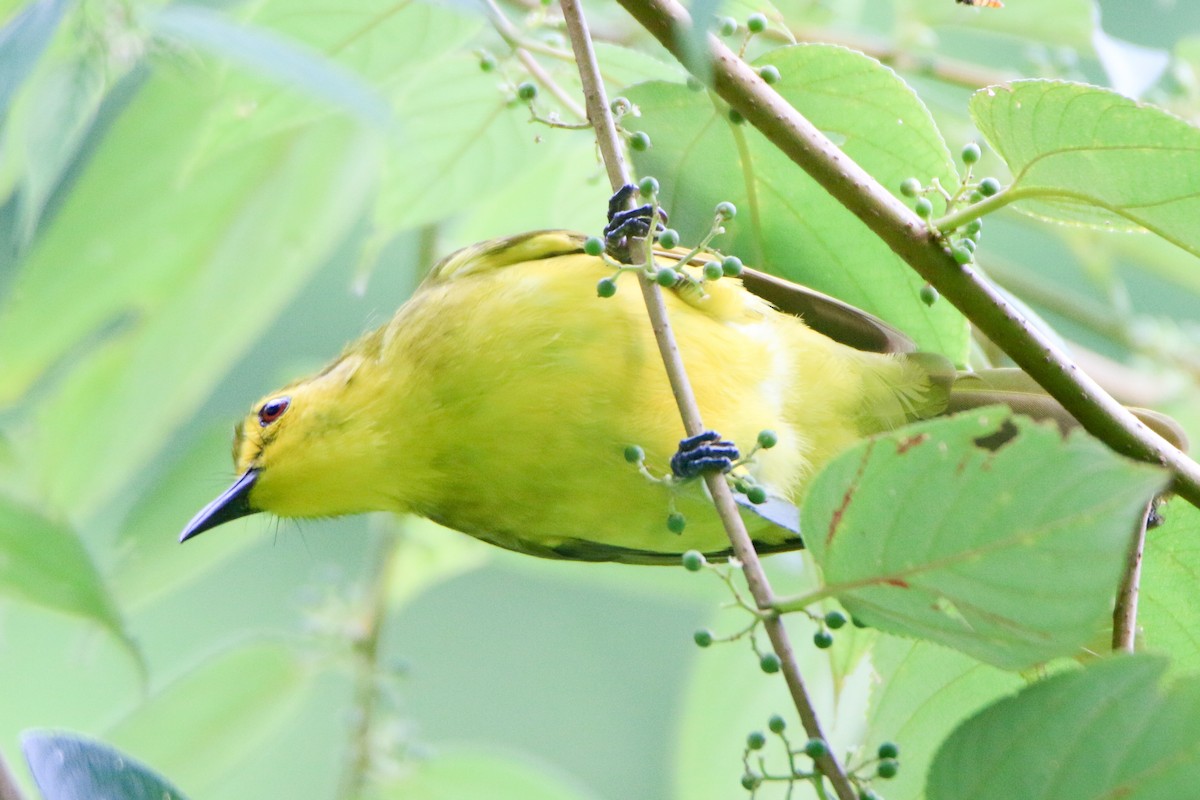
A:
[70,767]
[467,772]
[1062,23]
[786,223]
[1088,155]
[43,562]
[922,692]
[1010,555]
[1111,730]
[270,55]
[203,724]
[1168,615]
[22,42]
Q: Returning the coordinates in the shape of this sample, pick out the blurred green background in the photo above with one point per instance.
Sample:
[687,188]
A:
[205,201]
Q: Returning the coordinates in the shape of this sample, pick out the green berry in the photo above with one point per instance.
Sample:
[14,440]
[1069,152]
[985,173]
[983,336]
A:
[776,723]
[736,117]
[713,271]
[694,83]
[968,243]
[487,61]
[633,453]
[929,296]
[974,226]
[676,522]
[769,74]
[835,619]
[975,196]
[702,637]
[823,640]
[731,266]
[867,794]
[887,768]
[693,561]
[727,26]
[924,208]
[858,623]
[648,187]
[756,495]
[620,105]
[989,187]
[769,663]
[888,750]
[593,245]
[639,141]
[669,238]
[756,740]
[971,153]
[666,277]
[910,187]
[750,781]
[767,439]
[815,748]
[756,23]
[606,287]
[527,91]
[962,255]
[726,210]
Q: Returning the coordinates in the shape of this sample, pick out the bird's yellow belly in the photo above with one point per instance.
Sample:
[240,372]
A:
[543,387]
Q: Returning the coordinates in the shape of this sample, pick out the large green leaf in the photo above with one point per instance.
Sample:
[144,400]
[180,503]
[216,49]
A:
[1080,153]
[1111,730]
[70,767]
[786,223]
[43,562]
[1010,555]
[1169,617]
[201,725]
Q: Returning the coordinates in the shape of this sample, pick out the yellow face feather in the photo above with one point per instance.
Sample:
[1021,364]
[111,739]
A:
[500,399]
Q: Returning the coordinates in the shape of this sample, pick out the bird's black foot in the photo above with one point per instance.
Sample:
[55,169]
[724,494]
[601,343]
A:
[704,452]
[627,226]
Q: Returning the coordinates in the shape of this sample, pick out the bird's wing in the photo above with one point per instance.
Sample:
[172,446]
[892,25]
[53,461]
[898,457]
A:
[839,321]
[504,252]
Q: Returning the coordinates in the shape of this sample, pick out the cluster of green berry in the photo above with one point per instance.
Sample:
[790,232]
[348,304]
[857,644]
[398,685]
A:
[669,276]
[962,242]
[886,761]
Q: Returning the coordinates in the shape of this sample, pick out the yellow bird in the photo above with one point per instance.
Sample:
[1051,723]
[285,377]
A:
[502,396]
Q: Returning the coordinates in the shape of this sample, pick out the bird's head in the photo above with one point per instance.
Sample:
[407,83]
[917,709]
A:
[301,451]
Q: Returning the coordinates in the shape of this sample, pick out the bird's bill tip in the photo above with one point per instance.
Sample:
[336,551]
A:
[232,504]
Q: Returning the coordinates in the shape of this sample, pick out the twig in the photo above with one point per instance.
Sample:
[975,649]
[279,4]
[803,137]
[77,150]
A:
[366,690]
[1124,631]
[512,38]
[743,548]
[884,214]
[8,784]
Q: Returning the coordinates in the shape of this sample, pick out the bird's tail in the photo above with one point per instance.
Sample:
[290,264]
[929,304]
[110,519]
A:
[1015,389]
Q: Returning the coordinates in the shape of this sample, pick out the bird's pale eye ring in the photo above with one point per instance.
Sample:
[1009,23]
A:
[272,410]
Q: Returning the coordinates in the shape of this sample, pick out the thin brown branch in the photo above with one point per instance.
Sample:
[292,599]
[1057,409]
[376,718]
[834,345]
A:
[512,37]
[893,222]
[743,547]
[1124,632]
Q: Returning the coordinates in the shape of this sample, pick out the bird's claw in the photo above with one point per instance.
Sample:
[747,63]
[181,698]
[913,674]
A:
[704,452]
[626,226]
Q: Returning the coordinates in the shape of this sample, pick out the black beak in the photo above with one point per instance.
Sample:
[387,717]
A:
[234,502]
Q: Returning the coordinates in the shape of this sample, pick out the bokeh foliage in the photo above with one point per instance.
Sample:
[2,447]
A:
[203,200]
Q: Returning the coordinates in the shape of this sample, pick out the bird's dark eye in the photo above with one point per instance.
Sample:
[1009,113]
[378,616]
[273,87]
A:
[273,410]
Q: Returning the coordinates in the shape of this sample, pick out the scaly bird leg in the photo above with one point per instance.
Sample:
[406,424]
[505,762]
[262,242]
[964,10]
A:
[704,452]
